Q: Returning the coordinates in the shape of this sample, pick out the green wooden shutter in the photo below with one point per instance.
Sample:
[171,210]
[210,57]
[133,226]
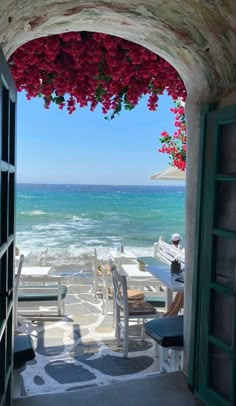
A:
[213,345]
[7,227]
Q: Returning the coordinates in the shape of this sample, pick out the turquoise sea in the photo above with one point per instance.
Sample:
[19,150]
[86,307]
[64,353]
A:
[70,220]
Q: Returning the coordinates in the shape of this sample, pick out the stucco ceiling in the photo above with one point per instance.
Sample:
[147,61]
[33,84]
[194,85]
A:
[197,37]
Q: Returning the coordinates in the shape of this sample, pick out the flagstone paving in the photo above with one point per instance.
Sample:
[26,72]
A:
[80,350]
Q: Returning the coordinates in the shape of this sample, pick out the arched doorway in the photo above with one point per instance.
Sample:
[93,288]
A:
[194,41]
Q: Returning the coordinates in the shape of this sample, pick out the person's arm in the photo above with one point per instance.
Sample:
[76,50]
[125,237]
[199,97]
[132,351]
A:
[176,305]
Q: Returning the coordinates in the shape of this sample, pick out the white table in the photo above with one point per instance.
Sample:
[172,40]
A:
[163,274]
[35,270]
[32,274]
[132,271]
[137,277]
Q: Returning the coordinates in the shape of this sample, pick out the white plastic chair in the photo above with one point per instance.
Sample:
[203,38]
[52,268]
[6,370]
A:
[125,311]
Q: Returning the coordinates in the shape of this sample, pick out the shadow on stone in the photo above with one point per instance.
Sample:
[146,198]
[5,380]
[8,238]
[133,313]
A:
[50,342]
[115,366]
[64,372]
[84,350]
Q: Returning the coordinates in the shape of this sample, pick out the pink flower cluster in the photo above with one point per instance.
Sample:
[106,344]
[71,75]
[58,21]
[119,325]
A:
[80,69]
[175,145]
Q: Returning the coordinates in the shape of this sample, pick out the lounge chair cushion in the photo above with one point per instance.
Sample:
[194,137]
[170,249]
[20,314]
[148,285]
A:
[141,307]
[41,295]
[135,294]
[23,349]
[167,331]
[156,301]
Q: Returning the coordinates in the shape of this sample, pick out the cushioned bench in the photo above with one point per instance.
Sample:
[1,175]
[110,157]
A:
[168,332]
[23,352]
[53,293]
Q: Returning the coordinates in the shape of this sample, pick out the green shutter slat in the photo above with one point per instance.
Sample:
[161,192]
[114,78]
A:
[225,178]
[224,233]
[224,347]
[217,399]
[225,290]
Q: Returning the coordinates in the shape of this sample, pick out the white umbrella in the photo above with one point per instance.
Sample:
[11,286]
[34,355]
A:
[170,173]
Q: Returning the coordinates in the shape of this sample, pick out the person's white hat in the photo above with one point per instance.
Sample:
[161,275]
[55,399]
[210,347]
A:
[176,237]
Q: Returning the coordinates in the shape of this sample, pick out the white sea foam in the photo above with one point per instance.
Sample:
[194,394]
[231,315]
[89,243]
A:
[50,226]
[76,218]
[73,255]
[94,241]
[33,213]
[21,196]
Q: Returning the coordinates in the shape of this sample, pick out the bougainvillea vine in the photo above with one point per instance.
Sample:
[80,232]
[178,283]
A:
[175,145]
[80,69]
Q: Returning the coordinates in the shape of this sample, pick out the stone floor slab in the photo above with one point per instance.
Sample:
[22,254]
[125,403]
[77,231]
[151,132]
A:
[117,366]
[160,390]
[64,372]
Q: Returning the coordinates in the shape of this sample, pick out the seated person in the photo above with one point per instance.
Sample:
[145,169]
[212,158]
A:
[176,238]
[176,306]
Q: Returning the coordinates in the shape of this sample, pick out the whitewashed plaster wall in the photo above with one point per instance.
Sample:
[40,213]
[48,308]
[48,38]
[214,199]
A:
[198,37]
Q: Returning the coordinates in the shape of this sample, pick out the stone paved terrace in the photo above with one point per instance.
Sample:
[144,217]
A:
[79,350]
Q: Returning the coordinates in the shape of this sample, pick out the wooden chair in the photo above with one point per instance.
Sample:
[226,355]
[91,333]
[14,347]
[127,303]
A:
[37,291]
[96,274]
[102,282]
[16,289]
[128,310]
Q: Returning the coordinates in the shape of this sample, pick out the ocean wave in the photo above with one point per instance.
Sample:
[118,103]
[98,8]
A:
[76,218]
[33,213]
[75,255]
[19,196]
[50,227]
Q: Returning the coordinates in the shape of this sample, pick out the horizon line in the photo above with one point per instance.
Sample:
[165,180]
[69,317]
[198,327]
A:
[98,184]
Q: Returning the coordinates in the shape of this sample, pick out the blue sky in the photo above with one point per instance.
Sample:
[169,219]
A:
[83,148]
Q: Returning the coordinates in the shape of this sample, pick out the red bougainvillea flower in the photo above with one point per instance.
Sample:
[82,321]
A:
[175,145]
[80,69]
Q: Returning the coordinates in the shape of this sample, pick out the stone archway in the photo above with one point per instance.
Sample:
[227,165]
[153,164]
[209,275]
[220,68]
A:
[198,38]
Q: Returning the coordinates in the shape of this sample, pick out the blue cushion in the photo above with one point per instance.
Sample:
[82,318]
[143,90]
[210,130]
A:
[156,301]
[167,331]
[41,295]
[23,349]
